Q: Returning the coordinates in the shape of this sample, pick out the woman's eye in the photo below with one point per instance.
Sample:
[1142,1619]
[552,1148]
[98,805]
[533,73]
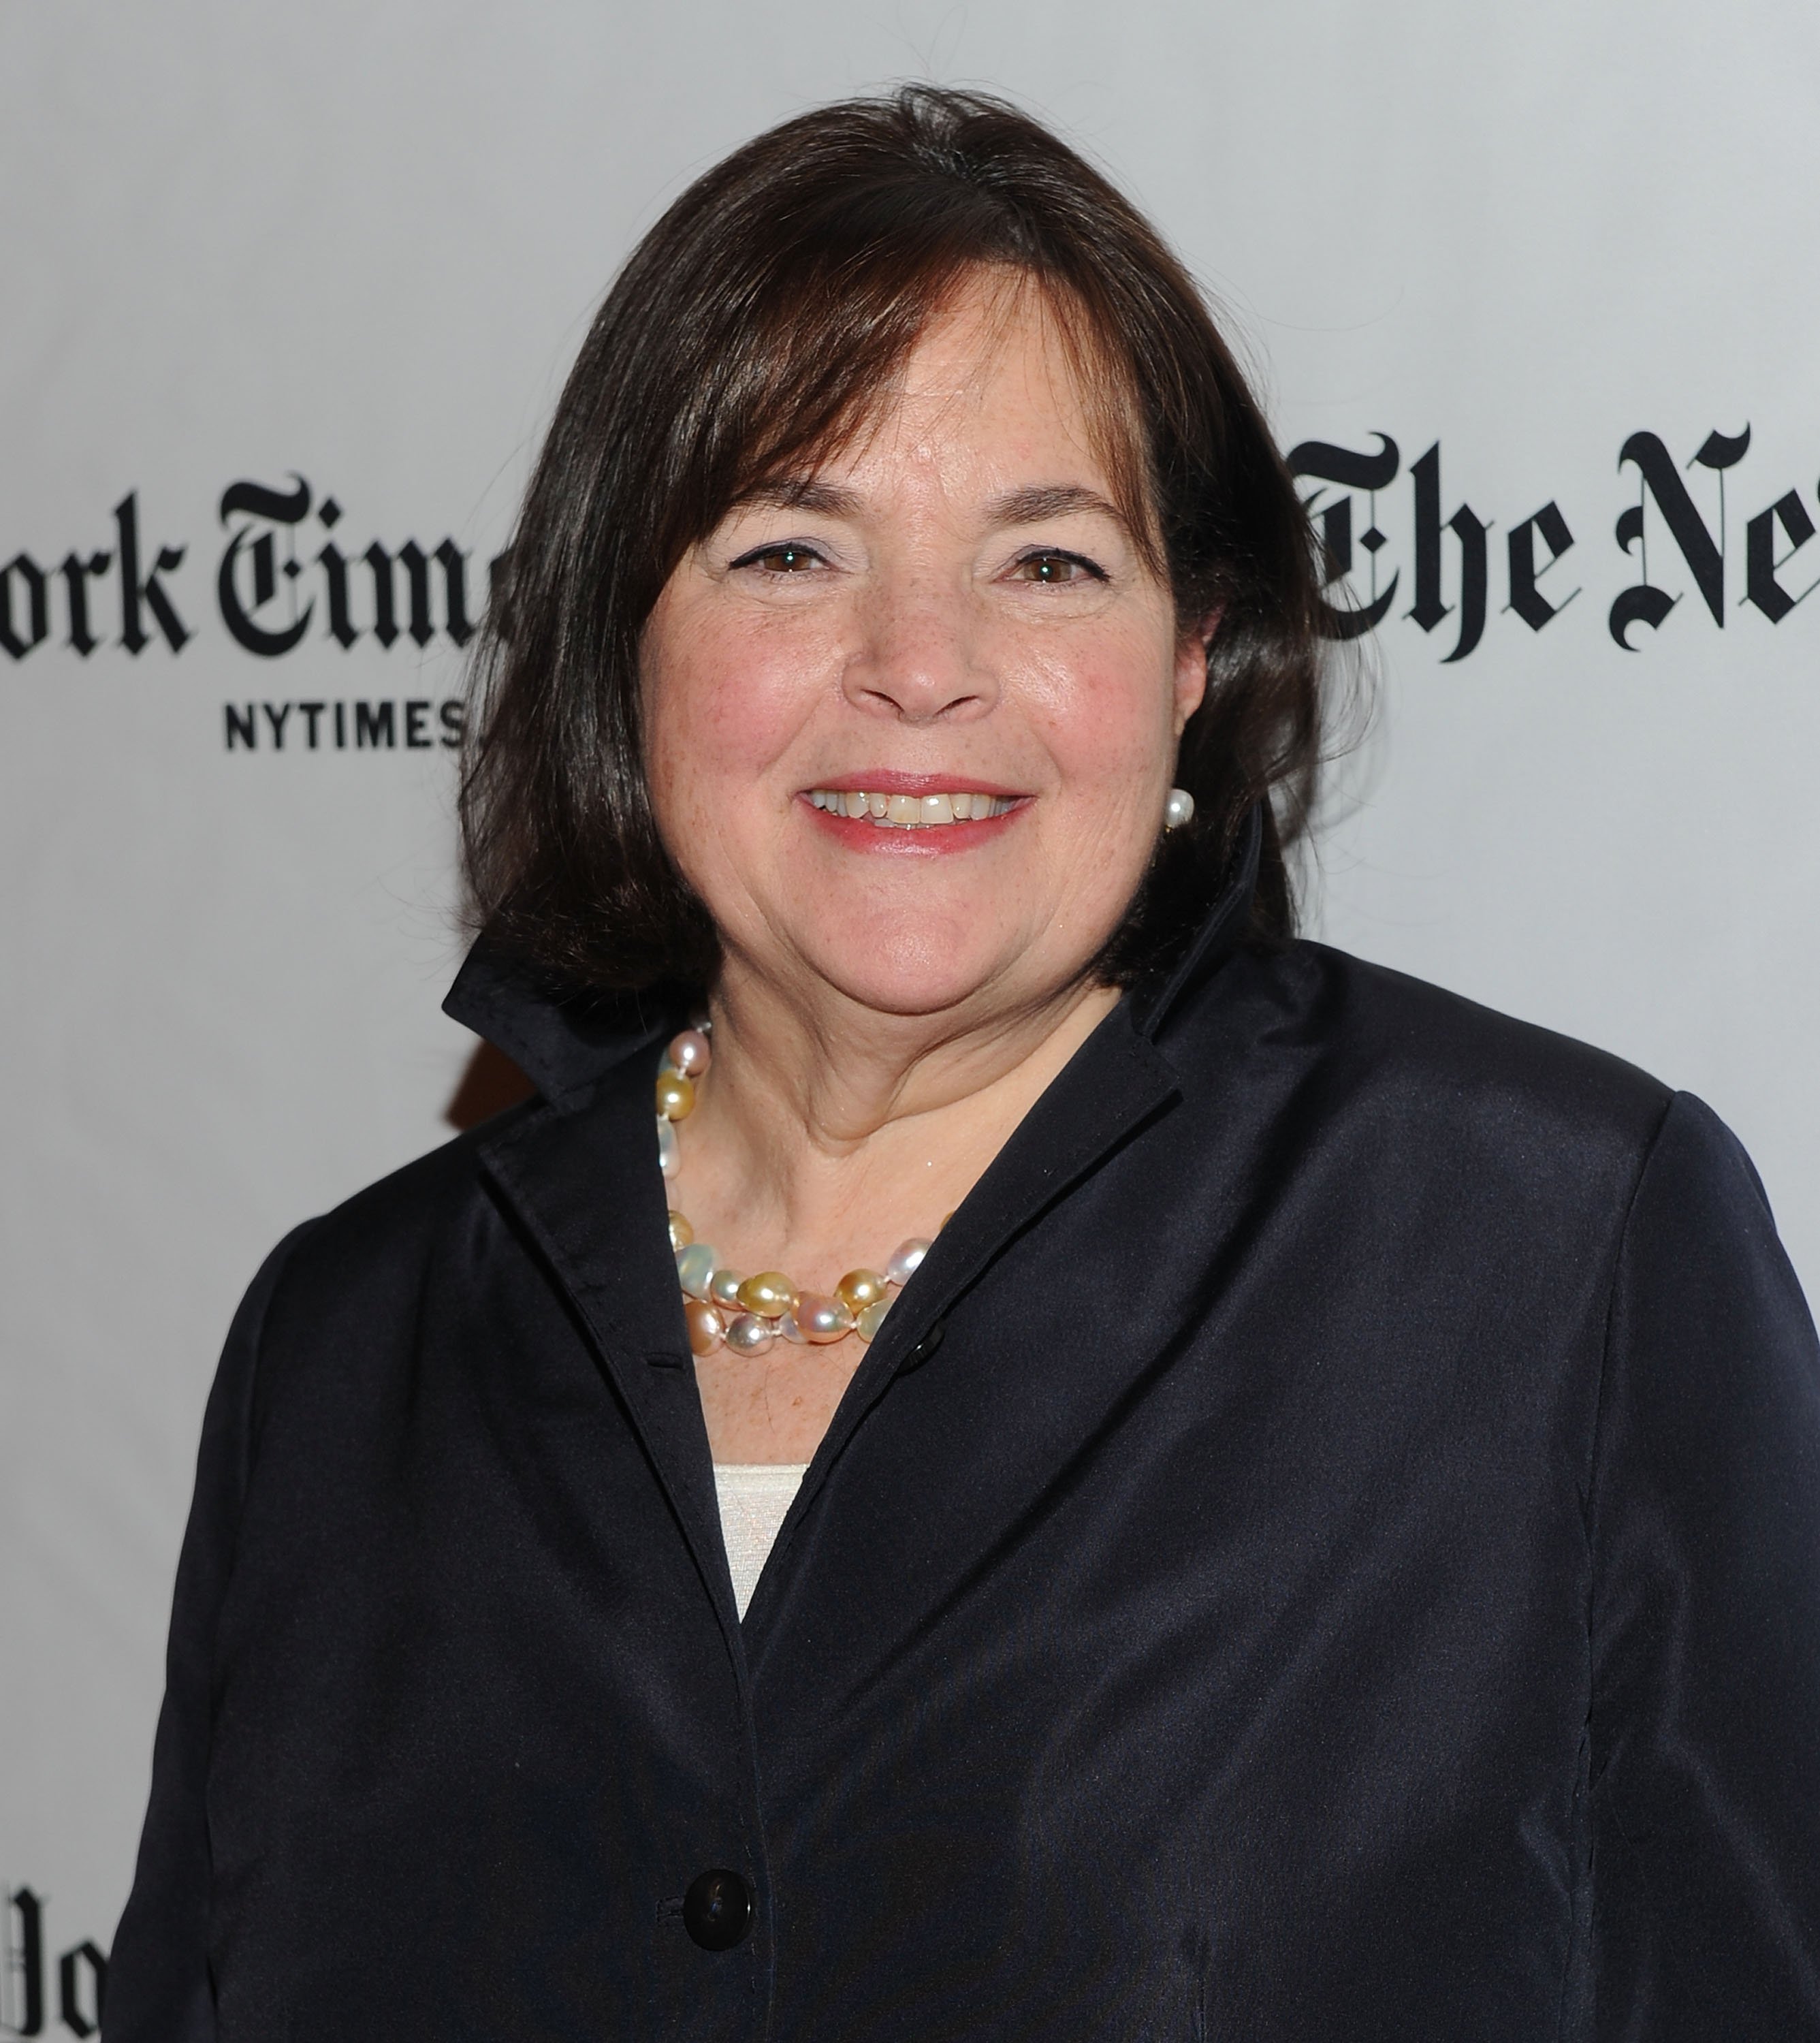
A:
[786,559]
[1056,567]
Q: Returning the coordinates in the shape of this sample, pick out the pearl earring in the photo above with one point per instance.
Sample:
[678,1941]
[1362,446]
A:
[1178,809]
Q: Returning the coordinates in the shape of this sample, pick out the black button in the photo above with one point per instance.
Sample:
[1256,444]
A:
[717,1909]
[925,1347]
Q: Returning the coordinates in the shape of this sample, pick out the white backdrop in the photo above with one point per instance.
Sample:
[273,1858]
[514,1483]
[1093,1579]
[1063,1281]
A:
[347,250]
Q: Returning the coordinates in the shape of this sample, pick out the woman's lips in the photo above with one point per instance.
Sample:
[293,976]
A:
[930,814]
[939,809]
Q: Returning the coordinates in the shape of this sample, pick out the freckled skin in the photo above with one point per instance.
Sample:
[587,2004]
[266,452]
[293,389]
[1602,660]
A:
[882,1022]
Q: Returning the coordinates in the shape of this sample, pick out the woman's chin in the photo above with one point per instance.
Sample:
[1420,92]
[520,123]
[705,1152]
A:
[910,995]
[921,973]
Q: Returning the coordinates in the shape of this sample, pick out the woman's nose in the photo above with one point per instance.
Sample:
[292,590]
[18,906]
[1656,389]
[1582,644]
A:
[919,656]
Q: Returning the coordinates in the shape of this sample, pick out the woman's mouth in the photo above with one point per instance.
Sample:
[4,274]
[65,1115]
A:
[884,811]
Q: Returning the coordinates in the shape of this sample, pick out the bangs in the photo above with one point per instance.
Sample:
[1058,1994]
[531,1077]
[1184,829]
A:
[817,358]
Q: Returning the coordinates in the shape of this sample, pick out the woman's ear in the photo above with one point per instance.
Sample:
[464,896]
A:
[1191,666]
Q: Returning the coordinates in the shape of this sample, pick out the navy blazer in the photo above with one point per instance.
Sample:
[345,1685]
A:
[1328,1546]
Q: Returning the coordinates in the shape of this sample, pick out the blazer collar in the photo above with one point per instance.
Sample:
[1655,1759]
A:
[1220,930]
[565,1044]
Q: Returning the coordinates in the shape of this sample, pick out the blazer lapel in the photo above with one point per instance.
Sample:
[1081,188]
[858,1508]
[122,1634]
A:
[586,1187]
[1114,1085]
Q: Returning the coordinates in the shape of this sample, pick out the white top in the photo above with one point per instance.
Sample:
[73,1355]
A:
[753,1497]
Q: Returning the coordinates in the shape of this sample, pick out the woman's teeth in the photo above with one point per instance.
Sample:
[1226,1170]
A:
[909,811]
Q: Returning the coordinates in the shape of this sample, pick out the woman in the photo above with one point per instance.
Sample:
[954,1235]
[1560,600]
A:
[1323,1544]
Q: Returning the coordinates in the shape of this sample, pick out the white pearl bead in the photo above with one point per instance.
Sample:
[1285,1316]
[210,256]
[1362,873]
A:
[749,1334]
[689,1053]
[669,1152]
[695,1269]
[1178,809]
[906,1260]
[821,1319]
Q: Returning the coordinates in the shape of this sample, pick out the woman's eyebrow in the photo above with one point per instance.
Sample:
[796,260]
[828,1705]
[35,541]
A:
[799,493]
[1036,501]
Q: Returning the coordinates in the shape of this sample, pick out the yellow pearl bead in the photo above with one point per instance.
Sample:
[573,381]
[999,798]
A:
[675,1095]
[705,1325]
[770,1294]
[872,1318]
[822,1320]
[681,1233]
[860,1289]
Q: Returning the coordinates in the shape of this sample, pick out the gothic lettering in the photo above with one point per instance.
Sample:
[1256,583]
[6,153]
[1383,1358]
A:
[1644,602]
[1526,599]
[82,1988]
[1428,610]
[22,581]
[417,571]
[285,509]
[454,566]
[135,594]
[384,616]
[416,565]
[1760,564]
[22,1981]
[76,572]
[1320,462]
[334,565]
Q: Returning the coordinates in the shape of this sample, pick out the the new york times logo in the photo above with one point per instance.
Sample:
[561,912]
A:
[35,1988]
[287,575]
[271,593]
[1452,548]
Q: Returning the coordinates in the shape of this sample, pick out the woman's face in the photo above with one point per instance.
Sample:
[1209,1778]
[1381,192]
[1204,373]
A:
[952,607]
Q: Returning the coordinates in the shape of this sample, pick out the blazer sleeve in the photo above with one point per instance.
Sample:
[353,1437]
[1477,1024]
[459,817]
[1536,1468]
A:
[1704,1762]
[158,1989]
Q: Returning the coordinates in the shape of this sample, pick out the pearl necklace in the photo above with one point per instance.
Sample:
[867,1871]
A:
[749,1313]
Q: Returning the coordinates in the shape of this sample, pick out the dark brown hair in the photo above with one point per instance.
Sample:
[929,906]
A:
[747,335]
